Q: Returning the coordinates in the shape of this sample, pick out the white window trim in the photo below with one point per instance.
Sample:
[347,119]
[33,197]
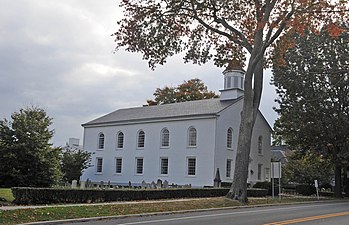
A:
[136,166]
[259,172]
[226,167]
[232,139]
[162,138]
[189,139]
[260,145]
[161,174]
[116,158]
[138,139]
[96,170]
[98,141]
[187,166]
[117,141]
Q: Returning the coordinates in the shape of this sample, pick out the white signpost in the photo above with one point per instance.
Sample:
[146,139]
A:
[275,173]
[317,188]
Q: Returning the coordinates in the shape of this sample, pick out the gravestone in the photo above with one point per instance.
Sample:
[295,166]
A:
[74,183]
[153,185]
[102,184]
[143,184]
[159,183]
[165,184]
[108,185]
[82,184]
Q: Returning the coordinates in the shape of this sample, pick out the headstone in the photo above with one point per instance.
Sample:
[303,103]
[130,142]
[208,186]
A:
[102,184]
[82,184]
[74,183]
[108,185]
[88,183]
[165,184]
[153,185]
[143,184]
[159,183]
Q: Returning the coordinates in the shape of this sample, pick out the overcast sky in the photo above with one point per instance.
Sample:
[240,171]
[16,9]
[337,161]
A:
[58,55]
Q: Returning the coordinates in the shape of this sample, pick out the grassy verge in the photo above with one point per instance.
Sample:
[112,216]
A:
[71,212]
[7,194]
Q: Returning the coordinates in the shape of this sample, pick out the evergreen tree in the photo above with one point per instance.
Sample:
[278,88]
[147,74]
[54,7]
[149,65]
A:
[26,154]
[74,162]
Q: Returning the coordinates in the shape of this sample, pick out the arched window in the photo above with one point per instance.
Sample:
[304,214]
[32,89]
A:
[141,139]
[165,138]
[120,140]
[101,141]
[230,138]
[192,137]
[260,145]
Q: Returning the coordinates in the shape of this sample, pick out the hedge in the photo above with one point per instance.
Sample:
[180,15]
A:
[305,189]
[268,186]
[26,195]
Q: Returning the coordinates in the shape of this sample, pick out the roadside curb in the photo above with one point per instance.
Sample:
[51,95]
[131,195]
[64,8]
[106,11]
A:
[90,219]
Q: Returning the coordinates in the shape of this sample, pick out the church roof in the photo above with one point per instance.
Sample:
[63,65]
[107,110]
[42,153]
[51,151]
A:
[166,111]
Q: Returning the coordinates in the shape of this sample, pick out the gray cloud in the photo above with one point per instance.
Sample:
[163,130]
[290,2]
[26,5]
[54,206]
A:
[59,55]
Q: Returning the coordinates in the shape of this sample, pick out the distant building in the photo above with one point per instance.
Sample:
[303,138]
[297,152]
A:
[280,153]
[73,144]
[183,143]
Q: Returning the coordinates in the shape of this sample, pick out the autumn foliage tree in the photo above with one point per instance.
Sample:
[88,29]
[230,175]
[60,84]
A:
[313,90]
[222,31]
[191,90]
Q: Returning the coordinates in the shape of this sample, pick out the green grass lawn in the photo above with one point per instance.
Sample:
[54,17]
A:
[56,213]
[7,194]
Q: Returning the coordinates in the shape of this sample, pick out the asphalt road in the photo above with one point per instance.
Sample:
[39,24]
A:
[334,213]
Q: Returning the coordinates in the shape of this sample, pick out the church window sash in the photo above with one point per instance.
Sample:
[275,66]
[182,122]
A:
[230,138]
[191,166]
[118,165]
[192,137]
[99,165]
[139,166]
[164,166]
[141,139]
[120,140]
[101,141]
[165,138]
[260,145]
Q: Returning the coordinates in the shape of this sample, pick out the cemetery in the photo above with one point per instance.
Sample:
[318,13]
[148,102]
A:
[88,192]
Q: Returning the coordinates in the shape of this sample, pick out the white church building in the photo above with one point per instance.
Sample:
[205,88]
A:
[182,143]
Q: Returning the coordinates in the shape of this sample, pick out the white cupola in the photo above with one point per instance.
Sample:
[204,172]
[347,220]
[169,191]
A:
[233,81]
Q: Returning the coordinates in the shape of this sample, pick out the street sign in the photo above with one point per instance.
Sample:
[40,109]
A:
[276,170]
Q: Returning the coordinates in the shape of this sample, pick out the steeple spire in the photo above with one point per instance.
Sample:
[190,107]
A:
[233,81]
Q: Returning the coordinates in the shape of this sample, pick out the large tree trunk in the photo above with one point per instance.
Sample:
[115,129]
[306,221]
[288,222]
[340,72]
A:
[338,181]
[252,96]
[238,190]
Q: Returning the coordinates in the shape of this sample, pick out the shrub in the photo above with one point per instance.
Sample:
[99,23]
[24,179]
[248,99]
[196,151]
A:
[326,186]
[305,189]
[257,192]
[268,186]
